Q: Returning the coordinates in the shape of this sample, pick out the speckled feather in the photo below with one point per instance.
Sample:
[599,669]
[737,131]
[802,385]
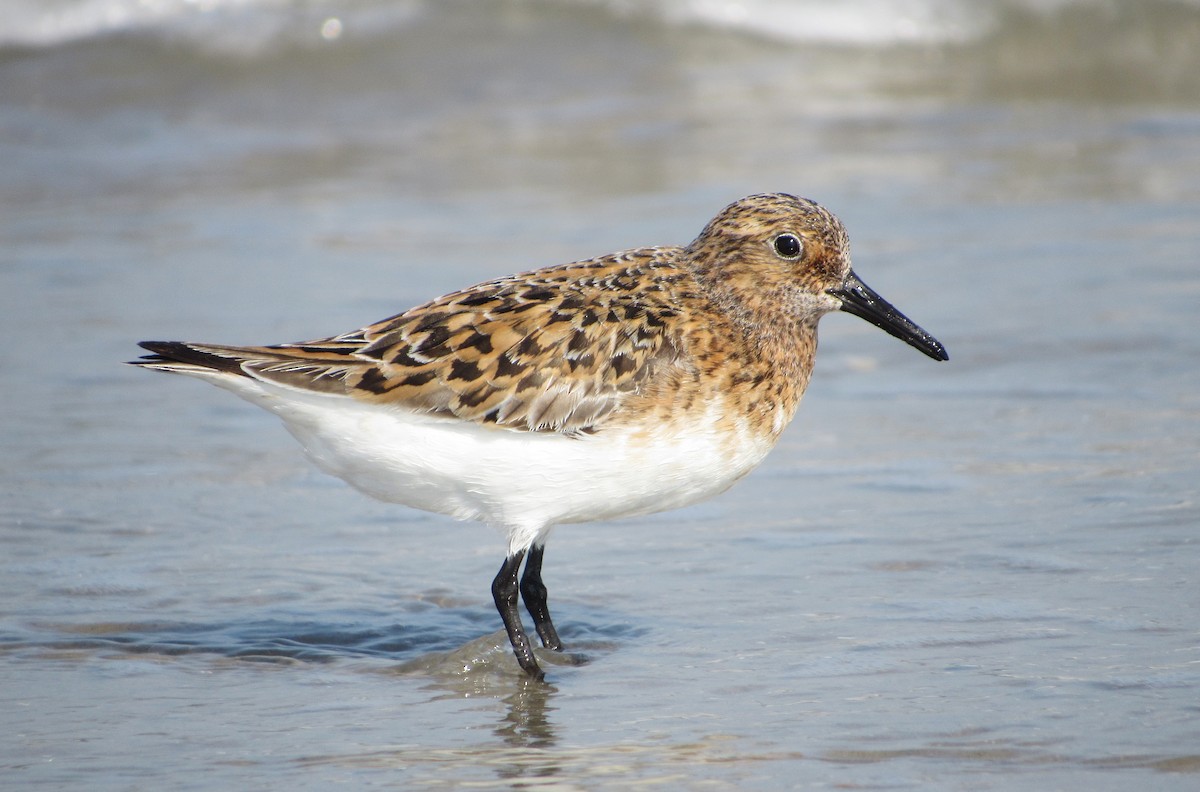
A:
[555,350]
[623,385]
[576,348]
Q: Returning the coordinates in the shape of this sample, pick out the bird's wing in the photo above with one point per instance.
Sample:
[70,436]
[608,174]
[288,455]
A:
[556,350]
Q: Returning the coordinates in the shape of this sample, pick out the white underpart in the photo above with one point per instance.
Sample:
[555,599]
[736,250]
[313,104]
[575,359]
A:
[523,483]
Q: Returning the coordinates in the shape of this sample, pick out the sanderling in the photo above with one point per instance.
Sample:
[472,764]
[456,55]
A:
[622,385]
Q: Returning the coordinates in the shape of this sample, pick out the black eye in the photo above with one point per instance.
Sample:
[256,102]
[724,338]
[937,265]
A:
[788,246]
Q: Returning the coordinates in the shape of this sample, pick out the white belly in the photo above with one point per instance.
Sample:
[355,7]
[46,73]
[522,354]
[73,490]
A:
[522,482]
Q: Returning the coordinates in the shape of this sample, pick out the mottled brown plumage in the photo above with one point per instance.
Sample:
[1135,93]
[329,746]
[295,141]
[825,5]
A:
[569,349]
[558,350]
[621,385]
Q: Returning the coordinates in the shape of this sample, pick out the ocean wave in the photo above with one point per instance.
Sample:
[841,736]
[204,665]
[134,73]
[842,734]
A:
[241,26]
[859,22]
[253,26]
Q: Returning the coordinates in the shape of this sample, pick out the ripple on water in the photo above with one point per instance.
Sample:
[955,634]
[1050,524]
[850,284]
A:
[443,643]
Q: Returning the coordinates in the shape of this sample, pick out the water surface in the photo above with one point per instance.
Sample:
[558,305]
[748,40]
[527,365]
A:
[972,575]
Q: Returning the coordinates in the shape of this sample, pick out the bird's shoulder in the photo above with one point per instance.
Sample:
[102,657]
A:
[553,350]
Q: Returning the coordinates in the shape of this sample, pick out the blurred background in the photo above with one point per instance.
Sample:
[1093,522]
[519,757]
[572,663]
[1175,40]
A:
[978,574]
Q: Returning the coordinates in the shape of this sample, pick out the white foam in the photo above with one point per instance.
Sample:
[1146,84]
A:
[245,27]
[39,23]
[852,22]
[255,24]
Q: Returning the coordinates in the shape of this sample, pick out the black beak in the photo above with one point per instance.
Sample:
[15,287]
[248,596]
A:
[861,300]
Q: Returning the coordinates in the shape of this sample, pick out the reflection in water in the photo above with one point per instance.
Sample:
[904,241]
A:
[479,670]
[525,724]
[485,669]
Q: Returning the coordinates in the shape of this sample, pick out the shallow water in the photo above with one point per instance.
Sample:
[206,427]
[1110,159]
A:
[972,575]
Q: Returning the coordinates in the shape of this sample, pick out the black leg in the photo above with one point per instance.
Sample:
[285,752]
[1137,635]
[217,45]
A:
[534,593]
[504,592]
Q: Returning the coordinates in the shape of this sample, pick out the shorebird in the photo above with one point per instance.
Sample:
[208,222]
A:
[622,385]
